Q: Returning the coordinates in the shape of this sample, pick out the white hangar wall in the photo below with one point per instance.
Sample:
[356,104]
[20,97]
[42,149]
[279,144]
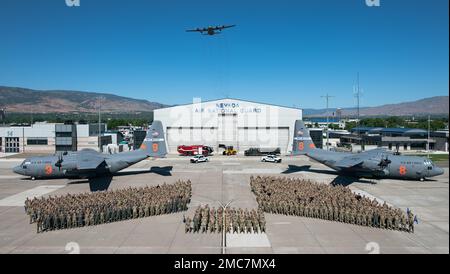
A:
[242,124]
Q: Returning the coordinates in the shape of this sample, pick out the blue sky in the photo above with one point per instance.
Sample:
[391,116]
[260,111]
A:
[282,52]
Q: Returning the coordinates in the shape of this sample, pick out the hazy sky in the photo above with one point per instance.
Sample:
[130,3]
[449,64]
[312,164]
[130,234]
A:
[282,52]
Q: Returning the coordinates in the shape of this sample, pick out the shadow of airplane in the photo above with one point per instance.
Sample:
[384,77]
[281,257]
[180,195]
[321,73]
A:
[103,182]
[341,179]
[163,171]
[294,168]
[95,184]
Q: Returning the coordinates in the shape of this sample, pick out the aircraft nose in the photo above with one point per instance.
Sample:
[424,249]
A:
[18,170]
[438,171]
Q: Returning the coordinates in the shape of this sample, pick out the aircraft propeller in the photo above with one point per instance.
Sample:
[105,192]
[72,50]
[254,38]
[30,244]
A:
[384,162]
[60,160]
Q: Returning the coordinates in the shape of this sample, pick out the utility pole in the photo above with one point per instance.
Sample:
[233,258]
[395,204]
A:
[428,137]
[327,97]
[23,139]
[99,125]
[358,96]
[358,99]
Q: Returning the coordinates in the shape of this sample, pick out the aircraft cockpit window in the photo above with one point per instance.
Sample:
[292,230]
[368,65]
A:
[427,162]
[25,164]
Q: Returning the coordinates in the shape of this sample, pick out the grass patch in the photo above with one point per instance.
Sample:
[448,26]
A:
[435,157]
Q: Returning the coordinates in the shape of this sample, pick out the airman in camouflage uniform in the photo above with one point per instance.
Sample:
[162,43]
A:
[236,220]
[295,196]
[87,209]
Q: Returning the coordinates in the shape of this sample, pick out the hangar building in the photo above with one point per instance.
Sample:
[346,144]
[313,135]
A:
[232,122]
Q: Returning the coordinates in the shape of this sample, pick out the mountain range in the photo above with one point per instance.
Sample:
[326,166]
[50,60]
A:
[437,105]
[23,100]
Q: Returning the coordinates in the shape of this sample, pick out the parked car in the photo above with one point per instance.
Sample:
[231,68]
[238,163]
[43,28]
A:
[199,159]
[271,158]
[261,151]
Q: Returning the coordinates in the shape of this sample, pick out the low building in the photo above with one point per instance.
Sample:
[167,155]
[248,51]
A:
[50,137]
[317,137]
[397,139]
[441,138]
[138,138]
[116,136]
[323,123]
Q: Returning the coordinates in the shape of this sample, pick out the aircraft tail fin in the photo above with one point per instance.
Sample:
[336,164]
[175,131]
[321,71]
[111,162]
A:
[302,142]
[155,143]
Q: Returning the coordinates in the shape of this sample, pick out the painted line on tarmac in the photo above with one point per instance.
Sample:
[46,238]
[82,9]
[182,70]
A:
[12,160]
[10,176]
[254,171]
[247,240]
[19,198]
[231,164]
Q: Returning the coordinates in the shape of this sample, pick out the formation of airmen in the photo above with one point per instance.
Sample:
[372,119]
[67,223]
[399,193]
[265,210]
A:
[87,209]
[293,196]
[236,220]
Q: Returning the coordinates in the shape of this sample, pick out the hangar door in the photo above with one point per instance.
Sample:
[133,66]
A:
[262,137]
[190,136]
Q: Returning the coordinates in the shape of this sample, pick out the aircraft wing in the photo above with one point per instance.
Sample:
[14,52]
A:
[196,30]
[224,27]
[376,151]
[349,162]
[89,161]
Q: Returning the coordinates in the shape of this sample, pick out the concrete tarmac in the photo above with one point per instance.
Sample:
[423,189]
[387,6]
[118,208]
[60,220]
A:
[224,179]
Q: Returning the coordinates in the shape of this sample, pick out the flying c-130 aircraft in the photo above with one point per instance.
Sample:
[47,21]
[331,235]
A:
[210,30]
[90,163]
[377,163]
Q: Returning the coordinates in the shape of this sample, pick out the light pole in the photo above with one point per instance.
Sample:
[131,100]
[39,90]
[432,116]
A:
[358,99]
[327,97]
[99,124]
[428,137]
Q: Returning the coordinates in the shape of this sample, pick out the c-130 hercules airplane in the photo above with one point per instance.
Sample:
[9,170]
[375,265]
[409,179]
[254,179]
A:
[377,163]
[90,163]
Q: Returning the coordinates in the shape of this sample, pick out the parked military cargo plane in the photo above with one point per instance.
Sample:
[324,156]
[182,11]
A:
[90,163]
[377,163]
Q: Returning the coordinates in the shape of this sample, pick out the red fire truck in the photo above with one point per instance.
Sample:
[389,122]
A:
[194,150]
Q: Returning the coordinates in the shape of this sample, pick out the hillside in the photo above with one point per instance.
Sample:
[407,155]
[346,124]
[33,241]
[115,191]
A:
[437,105]
[24,100]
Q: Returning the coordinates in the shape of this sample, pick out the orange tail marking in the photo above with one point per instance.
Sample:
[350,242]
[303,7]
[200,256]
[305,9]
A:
[155,147]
